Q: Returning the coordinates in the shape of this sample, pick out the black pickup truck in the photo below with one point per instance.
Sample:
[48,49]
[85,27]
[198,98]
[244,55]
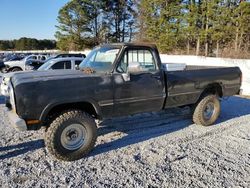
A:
[113,80]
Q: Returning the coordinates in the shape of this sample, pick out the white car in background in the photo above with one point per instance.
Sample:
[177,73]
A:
[25,64]
[61,63]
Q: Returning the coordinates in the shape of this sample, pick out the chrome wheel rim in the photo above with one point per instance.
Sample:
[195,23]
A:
[73,137]
[209,111]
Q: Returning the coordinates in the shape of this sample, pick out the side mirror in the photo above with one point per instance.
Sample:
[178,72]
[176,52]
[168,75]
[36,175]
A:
[126,77]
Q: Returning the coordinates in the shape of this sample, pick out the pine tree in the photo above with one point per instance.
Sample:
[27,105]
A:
[243,23]
[162,22]
[119,16]
[78,25]
[193,24]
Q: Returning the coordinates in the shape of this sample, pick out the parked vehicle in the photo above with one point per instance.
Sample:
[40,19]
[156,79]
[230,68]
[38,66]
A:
[66,55]
[61,63]
[113,80]
[31,62]
[70,55]
[15,58]
[12,57]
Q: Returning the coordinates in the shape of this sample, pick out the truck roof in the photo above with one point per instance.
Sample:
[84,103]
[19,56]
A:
[150,45]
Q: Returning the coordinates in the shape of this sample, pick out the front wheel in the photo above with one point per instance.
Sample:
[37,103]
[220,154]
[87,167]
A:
[207,110]
[71,135]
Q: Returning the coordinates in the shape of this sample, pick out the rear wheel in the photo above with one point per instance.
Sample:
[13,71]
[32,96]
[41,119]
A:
[207,110]
[71,135]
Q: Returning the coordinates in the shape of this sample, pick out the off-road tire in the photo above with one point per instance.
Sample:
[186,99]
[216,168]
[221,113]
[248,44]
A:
[198,115]
[54,132]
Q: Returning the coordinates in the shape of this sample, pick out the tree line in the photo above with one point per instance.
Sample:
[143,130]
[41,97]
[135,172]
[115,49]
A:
[27,44]
[198,27]
[201,27]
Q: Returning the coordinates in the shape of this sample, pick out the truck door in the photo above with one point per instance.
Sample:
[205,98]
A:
[138,83]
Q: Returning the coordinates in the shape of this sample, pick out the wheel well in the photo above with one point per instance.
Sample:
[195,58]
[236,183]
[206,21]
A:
[10,69]
[84,106]
[215,89]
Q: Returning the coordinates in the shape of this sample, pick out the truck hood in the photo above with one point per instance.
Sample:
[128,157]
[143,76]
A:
[37,76]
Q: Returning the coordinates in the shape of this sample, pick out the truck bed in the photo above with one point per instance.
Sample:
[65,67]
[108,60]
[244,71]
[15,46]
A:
[185,87]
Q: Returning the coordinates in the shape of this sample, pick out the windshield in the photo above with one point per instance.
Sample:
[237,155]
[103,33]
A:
[100,59]
[46,65]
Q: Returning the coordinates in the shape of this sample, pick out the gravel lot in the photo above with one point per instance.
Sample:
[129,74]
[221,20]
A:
[162,149]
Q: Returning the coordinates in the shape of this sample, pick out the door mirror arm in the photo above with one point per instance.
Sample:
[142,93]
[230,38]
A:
[126,76]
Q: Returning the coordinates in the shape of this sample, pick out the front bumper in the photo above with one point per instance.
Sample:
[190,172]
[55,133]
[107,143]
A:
[16,121]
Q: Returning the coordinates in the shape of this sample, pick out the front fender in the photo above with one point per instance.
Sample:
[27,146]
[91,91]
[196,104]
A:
[52,105]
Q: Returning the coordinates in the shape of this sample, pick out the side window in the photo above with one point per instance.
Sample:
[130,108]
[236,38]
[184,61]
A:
[137,61]
[67,65]
[43,58]
[62,65]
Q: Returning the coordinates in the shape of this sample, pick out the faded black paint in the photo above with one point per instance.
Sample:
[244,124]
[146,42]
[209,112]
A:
[36,93]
